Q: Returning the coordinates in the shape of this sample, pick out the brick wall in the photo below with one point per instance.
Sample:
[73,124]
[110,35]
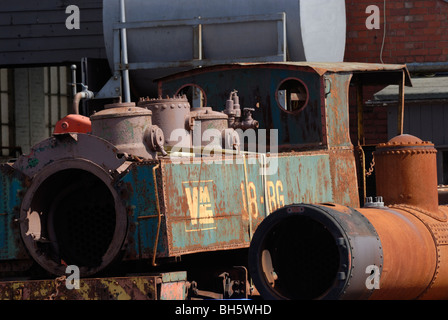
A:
[416,31]
[375,118]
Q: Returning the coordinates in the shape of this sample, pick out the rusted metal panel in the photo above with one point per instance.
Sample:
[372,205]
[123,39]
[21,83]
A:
[173,286]
[166,286]
[344,176]
[207,205]
[140,193]
[205,211]
[204,206]
[12,187]
[69,146]
[336,111]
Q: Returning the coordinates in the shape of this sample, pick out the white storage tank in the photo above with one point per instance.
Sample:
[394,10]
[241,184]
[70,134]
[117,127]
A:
[169,36]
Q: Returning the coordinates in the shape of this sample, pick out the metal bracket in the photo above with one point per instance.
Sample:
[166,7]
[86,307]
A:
[112,88]
[235,283]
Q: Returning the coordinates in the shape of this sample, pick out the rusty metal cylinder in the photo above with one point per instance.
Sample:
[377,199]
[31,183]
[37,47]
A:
[406,172]
[409,254]
[129,129]
[406,178]
[186,127]
[314,252]
[330,251]
[415,246]
[211,128]
[172,116]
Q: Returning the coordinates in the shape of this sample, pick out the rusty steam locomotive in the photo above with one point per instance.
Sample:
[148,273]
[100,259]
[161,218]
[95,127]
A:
[226,186]
[234,176]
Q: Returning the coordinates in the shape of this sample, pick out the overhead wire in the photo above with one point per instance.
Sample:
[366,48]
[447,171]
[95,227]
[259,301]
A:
[384,32]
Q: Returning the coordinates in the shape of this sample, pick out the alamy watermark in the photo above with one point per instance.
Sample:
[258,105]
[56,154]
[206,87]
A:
[373,280]
[220,147]
[373,20]
[72,280]
[73,20]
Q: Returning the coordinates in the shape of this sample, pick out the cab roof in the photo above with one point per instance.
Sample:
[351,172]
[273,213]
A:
[366,73]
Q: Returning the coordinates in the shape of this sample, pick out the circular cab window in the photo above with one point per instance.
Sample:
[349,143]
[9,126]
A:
[195,95]
[292,95]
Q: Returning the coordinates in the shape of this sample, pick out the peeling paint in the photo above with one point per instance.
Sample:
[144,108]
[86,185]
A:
[34,224]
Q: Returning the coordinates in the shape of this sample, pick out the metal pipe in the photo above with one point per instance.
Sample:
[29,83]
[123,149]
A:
[401,85]
[159,215]
[77,98]
[325,252]
[73,67]
[427,67]
[309,251]
[85,94]
[360,107]
[124,55]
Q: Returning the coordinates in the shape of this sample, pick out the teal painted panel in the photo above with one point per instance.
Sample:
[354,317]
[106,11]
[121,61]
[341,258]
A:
[203,203]
[10,243]
[216,205]
[141,202]
[213,205]
[297,178]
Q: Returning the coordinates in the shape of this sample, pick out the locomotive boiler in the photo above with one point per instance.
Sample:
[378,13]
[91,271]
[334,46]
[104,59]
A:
[399,243]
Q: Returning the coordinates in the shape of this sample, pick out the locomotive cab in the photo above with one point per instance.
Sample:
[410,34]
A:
[307,106]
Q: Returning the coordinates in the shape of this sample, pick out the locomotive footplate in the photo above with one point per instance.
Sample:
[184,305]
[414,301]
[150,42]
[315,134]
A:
[162,286]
